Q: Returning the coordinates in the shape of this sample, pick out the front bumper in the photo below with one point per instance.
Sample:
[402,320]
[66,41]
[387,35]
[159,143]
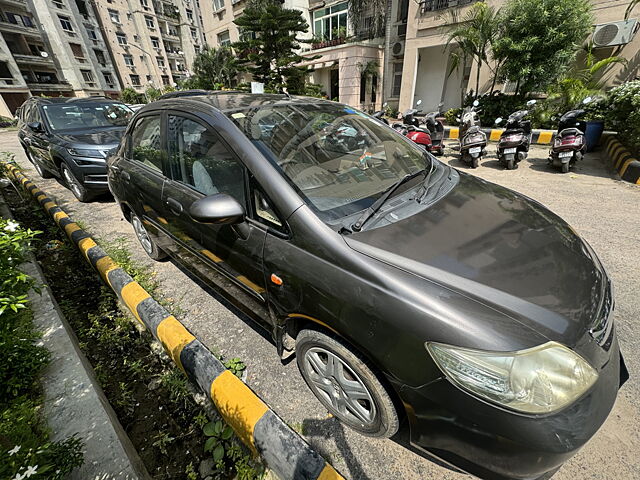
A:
[496,443]
[91,172]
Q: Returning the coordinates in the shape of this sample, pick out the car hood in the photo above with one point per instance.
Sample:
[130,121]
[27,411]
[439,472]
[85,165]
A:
[100,137]
[502,249]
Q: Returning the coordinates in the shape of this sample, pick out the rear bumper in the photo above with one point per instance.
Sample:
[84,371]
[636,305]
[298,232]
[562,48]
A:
[492,442]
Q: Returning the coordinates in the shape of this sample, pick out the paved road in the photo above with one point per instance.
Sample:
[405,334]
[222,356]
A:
[601,208]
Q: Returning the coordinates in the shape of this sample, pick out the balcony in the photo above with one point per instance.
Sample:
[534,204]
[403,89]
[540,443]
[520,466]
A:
[435,5]
[170,36]
[19,29]
[50,87]
[33,59]
[173,54]
[328,43]
[14,3]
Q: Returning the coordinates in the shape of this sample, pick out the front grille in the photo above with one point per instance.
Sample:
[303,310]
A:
[601,327]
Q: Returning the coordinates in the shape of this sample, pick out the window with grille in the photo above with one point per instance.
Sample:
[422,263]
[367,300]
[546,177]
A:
[155,42]
[76,48]
[128,60]
[135,80]
[224,39]
[87,75]
[122,38]
[331,22]
[114,15]
[218,5]
[149,21]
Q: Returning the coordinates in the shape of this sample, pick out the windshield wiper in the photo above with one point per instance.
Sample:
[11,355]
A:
[425,185]
[371,211]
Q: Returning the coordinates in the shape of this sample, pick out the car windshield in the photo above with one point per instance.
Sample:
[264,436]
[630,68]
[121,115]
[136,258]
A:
[339,160]
[86,116]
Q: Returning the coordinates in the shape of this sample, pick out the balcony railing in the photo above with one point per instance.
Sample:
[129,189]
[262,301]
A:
[17,28]
[434,5]
[32,59]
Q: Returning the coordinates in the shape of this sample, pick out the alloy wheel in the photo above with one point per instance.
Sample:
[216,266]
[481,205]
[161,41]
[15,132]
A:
[340,386]
[72,181]
[141,233]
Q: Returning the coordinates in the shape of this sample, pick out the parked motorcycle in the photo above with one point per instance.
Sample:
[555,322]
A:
[436,129]
[473,141]
[569,144]
[379,115]
[514,142]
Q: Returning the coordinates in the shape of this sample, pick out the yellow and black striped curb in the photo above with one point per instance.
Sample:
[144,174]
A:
[541,137]
[620,158]
[282,449]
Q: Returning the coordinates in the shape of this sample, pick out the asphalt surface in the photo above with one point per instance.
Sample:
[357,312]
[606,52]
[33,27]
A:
[599,206]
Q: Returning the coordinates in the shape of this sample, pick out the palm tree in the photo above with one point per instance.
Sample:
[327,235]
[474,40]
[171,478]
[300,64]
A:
[474,33]
[589,81]
[216,66]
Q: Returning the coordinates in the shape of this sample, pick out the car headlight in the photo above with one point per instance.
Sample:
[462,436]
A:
[85,152]
[541,379]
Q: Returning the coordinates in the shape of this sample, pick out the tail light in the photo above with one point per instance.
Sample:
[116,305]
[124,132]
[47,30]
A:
[517,137]
[571,140]
[475,138]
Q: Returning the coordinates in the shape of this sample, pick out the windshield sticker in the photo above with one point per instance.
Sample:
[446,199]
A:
[238,115]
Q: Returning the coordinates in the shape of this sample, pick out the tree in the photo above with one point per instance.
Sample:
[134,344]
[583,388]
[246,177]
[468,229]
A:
[474,34]
[214,67]
[539,39]
[269,43]
[130,96]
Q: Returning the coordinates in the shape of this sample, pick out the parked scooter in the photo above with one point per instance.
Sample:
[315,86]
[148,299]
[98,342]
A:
[473,141]
[569,144]
[411,128]
[436,129]
[379,115]
[514,142]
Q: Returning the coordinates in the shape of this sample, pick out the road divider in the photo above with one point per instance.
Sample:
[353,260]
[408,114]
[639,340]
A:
[540,137]
[621,159]
[266,434]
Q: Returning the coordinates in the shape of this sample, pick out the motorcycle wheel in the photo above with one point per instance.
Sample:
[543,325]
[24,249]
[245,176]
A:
[565,168]
[474,162]
[510,164]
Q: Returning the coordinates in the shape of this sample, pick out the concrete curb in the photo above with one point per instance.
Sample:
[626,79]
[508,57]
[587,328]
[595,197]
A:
[266,434]
[74,401]
[541,137]
[621,159]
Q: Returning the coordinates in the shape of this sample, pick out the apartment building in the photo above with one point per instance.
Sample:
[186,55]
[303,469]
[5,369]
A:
[27,65]
[77,44]
[151,42]
[426,58]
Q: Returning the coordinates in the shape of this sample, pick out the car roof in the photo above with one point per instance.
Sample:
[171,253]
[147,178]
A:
[55,100]
[233,101]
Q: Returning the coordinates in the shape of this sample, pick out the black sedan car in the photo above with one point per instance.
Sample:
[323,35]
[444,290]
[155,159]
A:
[406,289]
[70,138]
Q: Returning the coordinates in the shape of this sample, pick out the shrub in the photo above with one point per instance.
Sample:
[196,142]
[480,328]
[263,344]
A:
[451,116]
[129,95]
[497,104]
[624,113]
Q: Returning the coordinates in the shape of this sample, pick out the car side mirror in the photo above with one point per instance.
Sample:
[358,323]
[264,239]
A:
[36,127]
[217,209]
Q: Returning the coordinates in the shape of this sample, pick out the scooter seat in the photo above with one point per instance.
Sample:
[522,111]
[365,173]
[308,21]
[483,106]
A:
[474,129]
[570,131]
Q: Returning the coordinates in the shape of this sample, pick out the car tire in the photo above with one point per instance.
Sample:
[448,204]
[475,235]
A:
[41,171]
[145,240]
[74,184]
[368,409]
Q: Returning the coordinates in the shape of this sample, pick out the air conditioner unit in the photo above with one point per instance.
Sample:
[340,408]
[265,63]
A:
[614,33]
[397,49]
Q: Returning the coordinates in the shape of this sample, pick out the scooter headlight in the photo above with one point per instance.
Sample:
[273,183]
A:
[537,380]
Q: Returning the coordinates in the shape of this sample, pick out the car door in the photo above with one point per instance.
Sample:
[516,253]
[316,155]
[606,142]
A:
[228,257]
[141,176]
[38,141]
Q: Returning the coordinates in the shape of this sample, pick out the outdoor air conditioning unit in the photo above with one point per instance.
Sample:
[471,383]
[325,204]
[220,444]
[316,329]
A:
[614,33]
[397,49]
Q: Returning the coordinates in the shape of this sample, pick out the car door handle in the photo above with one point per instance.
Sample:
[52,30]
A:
[174,205]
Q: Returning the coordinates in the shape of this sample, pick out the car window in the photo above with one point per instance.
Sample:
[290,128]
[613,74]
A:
[198,158]
[264,211]
[146,145]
